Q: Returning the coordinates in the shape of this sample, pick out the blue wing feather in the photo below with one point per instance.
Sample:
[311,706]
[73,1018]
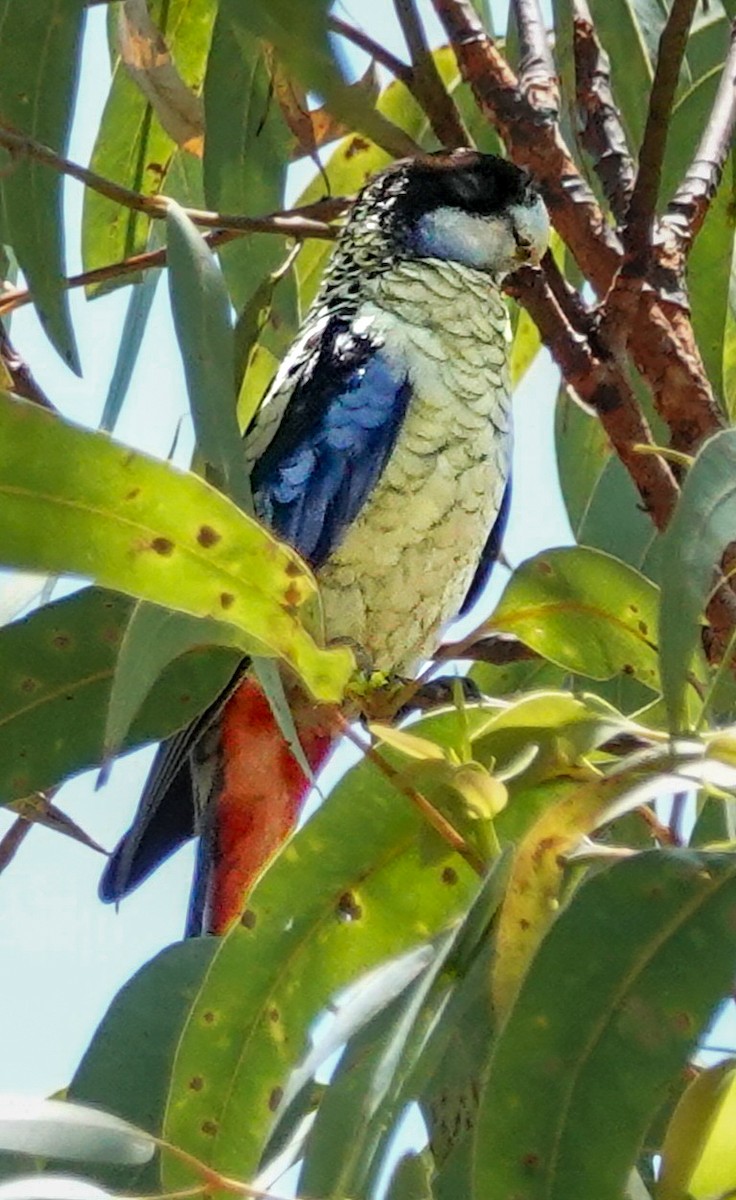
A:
[338,430]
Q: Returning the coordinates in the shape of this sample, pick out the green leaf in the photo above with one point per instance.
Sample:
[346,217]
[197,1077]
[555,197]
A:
[698,1154]
[387,1064]
[70,1131]
[127,1065]
[356,1109]
[412,1178]
[154,638]
[56,671]
[602,503]
[247,147]
[80,504]
[585,611]
[40,46]
[131,146]
[134,327]
[615,1000]
[201,311]
[709,278]
[701,528]
[332,906]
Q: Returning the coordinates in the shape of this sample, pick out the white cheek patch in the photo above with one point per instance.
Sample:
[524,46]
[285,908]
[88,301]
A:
[483,242]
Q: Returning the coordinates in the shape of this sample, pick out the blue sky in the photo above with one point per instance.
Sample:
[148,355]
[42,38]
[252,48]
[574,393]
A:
[64,954]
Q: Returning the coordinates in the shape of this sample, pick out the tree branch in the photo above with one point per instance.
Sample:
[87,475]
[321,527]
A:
[428,87]
[663,349]
[21,375]
[687,209]
[296,223]
[672,43]
[13,298]
[533,142]
[537,74]
[601,133]
[599,383]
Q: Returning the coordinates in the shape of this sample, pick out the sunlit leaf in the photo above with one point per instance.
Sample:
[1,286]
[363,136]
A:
[698,1154]
[331,906]
[82,504]
[149,62]
[584,610]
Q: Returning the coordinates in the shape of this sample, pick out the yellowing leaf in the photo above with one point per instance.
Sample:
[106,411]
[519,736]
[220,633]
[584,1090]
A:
[74,502]
[148,61]
[699,1151]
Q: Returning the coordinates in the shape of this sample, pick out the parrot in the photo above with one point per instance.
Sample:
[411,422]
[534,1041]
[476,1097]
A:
[381,454]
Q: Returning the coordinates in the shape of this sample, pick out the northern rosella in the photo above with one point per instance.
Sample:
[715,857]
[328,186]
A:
[381,453]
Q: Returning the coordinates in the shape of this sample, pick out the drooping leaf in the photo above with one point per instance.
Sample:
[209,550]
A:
[133,150]
[40,46]
[613,1003]
[389,1062]
[247,148]
[131,339]
[698,1154]
[127,1064]
[709,277]
[584,610]
[80,504]
[701,528]
[332,906]
[72,1131]
[56,671]
[201,310]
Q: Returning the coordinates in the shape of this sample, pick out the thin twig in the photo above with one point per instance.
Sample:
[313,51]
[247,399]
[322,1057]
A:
[297,223]
[433,817]
[601,128]
[24,383]
[428,86]
[537,73]
[13,298]
[672,43]
[398,69]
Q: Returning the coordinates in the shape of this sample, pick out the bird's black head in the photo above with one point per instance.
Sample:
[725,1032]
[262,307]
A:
[475,209]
